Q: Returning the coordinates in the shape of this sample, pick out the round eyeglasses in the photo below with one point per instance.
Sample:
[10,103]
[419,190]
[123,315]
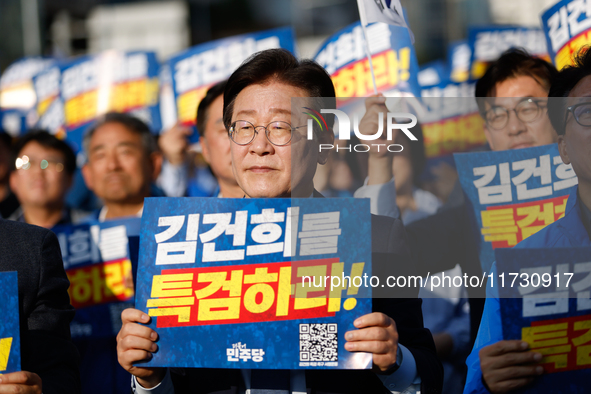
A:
[581,112]
[278,133]
[25,163]
[526,111]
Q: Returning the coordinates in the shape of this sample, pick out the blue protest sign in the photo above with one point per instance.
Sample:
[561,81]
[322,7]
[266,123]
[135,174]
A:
[567,26]
[227,281]
[10,343]
[433,73]
[545,302]
[393,55]
[13,121]
[451,121]
[458,62]
[16,87]
[111,81]
[98,264]
[489,42]
[195,70]
[513,193]
[50,106]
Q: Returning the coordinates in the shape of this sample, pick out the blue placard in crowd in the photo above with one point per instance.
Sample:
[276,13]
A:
[513,194]
[489,42]
[567,26]
[545,302]
[459,55]
[10,343]
[433,73]
[98,263]
[195,70]
[393,56]
[225,281]
[16,84]
[13,121]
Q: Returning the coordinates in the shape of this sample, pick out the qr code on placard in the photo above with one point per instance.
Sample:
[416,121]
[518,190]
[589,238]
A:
[318,342]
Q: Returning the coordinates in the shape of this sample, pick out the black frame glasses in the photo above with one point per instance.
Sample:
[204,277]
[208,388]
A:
[586,120]
[280,127]
[524,113]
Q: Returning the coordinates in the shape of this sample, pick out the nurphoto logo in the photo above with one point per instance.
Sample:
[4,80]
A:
[344,129]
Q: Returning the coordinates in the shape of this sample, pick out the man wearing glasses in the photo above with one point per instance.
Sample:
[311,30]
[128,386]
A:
[272,157]
[507,365]
[44,169]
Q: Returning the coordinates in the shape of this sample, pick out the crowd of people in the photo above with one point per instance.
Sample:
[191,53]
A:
[416,345]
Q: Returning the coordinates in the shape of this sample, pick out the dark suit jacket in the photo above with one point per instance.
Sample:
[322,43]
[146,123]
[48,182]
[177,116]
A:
[445,239]
[44,306]
[390,256]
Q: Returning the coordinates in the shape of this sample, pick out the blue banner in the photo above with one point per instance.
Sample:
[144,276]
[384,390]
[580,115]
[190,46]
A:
[241,283]
[451,121]
[111,81]
[99,266]
[10,343]
[50,106]
[545,302]
[513,194]
[567,26]
[16,86]
[393,56]
[195,70]
[459,54]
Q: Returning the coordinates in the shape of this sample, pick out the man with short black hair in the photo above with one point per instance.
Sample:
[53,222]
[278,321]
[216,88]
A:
[44,167]
[122,162]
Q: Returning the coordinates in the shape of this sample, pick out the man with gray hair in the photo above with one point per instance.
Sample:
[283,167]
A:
[122,162]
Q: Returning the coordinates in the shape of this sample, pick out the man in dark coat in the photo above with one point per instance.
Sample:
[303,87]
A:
[47,353]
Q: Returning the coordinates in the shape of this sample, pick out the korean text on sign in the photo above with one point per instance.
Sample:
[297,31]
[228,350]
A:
[10,353]
[248,293]
[252,270]
[567,26]
[514,193]
[549,306]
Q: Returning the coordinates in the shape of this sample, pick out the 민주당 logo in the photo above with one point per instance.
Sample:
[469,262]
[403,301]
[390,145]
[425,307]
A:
[344,129]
